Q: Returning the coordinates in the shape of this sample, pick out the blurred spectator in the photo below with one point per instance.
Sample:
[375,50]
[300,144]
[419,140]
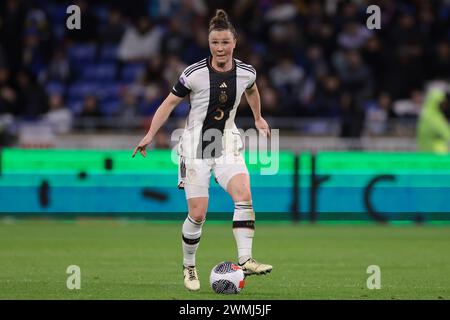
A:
[287,78]
[128,111]
[7,137]
[439,64]
[248,15]
[198,47]
[152,86]
[132,10]
[8,106]
[355,75]
[173,68]
[284,39]
[352,117]
[327,97]
[243,49]
[12,17]
[140,42]
[257,61]
[33,56]
[404,73]
[347,13]
[58,69]
[426,23]
[316,64]
[376,56]
[90,108]
[8,99]
[378,113]
[189,10]
[433,129]
[58,117]
[409,107]
[38,21]
[174,40]
[112,32]
[283,12]
[32,99]
[90,115]
[405,32]
[318,29]
[8,95]
[354,35]
[3,59]
[269,98]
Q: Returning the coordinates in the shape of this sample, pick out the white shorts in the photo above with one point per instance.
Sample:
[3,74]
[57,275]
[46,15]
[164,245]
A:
[194,174]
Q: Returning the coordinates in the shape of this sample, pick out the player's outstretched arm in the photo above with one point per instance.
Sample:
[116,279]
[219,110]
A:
[254,100]
[160,117]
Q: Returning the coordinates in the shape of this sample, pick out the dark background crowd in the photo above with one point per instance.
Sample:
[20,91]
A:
[313,58]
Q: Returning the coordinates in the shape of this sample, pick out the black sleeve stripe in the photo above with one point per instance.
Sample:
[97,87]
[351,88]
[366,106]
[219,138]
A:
[195,65]
[245,65]
[247,68]
[188,73]
[251,86]
[180,90]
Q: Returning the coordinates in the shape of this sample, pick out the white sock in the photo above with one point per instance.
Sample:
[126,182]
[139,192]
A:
[244,229]
[191,233]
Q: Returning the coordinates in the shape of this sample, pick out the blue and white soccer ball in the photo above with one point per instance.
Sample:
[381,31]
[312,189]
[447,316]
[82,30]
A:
[227,278]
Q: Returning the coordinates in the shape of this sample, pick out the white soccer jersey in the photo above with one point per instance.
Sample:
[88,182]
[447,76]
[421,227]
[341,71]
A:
[214,97]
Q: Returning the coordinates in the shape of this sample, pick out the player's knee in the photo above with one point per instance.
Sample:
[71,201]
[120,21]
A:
[198,216]
[197,210]
[242,194]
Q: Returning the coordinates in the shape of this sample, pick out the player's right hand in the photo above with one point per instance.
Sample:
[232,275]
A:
[141,147]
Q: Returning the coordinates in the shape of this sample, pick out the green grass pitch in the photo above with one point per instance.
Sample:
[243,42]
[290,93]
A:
[142,260]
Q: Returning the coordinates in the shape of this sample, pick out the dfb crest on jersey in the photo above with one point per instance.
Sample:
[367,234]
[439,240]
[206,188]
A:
[223,97]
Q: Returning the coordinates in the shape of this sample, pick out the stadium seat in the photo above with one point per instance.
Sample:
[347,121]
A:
[55,87]
[109,106]
[131,71]
[100,12]
[109,90]
[79,90]
[57,13]
[108,53]
[98,72]
[182,110]
[75,104]
[82,53]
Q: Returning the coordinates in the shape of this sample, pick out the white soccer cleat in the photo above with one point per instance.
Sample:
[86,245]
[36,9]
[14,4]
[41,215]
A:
[191,281]
[251,266]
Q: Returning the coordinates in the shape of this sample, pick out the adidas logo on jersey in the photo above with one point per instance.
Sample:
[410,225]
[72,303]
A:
[223,85]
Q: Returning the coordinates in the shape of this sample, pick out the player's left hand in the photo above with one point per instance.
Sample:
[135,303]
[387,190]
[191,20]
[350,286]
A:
[263,127]
[142,147]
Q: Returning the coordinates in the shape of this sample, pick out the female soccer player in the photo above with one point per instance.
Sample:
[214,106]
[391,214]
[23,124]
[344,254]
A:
[211,142]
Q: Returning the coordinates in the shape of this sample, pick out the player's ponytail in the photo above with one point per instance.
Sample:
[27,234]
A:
[221,22]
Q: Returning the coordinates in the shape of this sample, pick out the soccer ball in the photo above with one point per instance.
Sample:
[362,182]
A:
[227,278]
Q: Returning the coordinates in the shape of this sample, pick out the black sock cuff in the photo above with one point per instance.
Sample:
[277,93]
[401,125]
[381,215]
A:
[243,206]
[190,241]
[248,224]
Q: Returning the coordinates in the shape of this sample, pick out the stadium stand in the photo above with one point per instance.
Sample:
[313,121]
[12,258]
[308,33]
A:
[318,64]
